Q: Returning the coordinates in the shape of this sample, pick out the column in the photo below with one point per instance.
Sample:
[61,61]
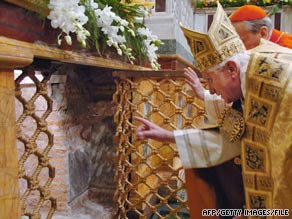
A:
[9,189]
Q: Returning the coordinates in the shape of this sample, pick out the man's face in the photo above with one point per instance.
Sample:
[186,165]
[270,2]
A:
[249,38]
[224,83]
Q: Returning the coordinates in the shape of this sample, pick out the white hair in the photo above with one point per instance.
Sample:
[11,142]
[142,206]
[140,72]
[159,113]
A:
[241,59]
[255,25]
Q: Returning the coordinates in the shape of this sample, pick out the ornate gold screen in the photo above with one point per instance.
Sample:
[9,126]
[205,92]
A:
[34,143]
[150,177]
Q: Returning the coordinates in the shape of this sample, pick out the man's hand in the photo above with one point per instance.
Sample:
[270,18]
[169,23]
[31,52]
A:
[155,132]
[193,80]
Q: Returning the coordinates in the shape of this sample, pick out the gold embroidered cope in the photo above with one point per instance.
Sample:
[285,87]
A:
[267,145]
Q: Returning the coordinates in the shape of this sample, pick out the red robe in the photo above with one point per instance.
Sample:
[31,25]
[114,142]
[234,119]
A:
[220,186]
[201,195]
[281,38]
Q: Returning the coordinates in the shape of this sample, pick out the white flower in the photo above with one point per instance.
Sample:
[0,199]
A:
[144,31]
[150,45]
[132,32]
[143,11]
[68,40]
[120,53]
[113,27]
[70,17]
[91,4]
[123,46]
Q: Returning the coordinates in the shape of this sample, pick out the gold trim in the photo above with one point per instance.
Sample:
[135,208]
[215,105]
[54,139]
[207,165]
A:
[231,124]
[255,158]
[258,199]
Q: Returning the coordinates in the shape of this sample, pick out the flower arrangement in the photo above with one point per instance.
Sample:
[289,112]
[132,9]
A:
[100,24]
[238,3]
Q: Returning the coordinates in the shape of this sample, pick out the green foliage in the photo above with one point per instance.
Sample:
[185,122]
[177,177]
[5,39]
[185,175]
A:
[237,3]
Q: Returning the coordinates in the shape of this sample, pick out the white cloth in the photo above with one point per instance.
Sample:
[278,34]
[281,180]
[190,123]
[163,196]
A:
[204,148]
[214,106]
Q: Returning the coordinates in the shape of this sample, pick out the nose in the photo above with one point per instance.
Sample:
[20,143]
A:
[212,91]
[211,88]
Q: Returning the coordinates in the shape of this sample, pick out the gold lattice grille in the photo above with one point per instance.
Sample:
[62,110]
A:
[150,177]
[34,144]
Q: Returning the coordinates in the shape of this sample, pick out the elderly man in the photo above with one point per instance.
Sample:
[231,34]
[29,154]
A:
[263,85]
[253,26]
[252,23]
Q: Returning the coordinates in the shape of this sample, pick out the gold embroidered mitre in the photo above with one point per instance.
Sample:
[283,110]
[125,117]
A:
[219,43]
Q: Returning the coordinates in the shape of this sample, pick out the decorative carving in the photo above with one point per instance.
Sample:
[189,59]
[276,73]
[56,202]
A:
[257,201]
[32,146]
[149,174]
[255,158]
[259,112]
[231,124]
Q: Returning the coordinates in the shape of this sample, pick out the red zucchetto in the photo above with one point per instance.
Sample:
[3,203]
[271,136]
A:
[248,13]
[253,12]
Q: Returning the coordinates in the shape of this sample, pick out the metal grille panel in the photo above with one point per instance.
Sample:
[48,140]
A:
[150,177]
[34,144]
